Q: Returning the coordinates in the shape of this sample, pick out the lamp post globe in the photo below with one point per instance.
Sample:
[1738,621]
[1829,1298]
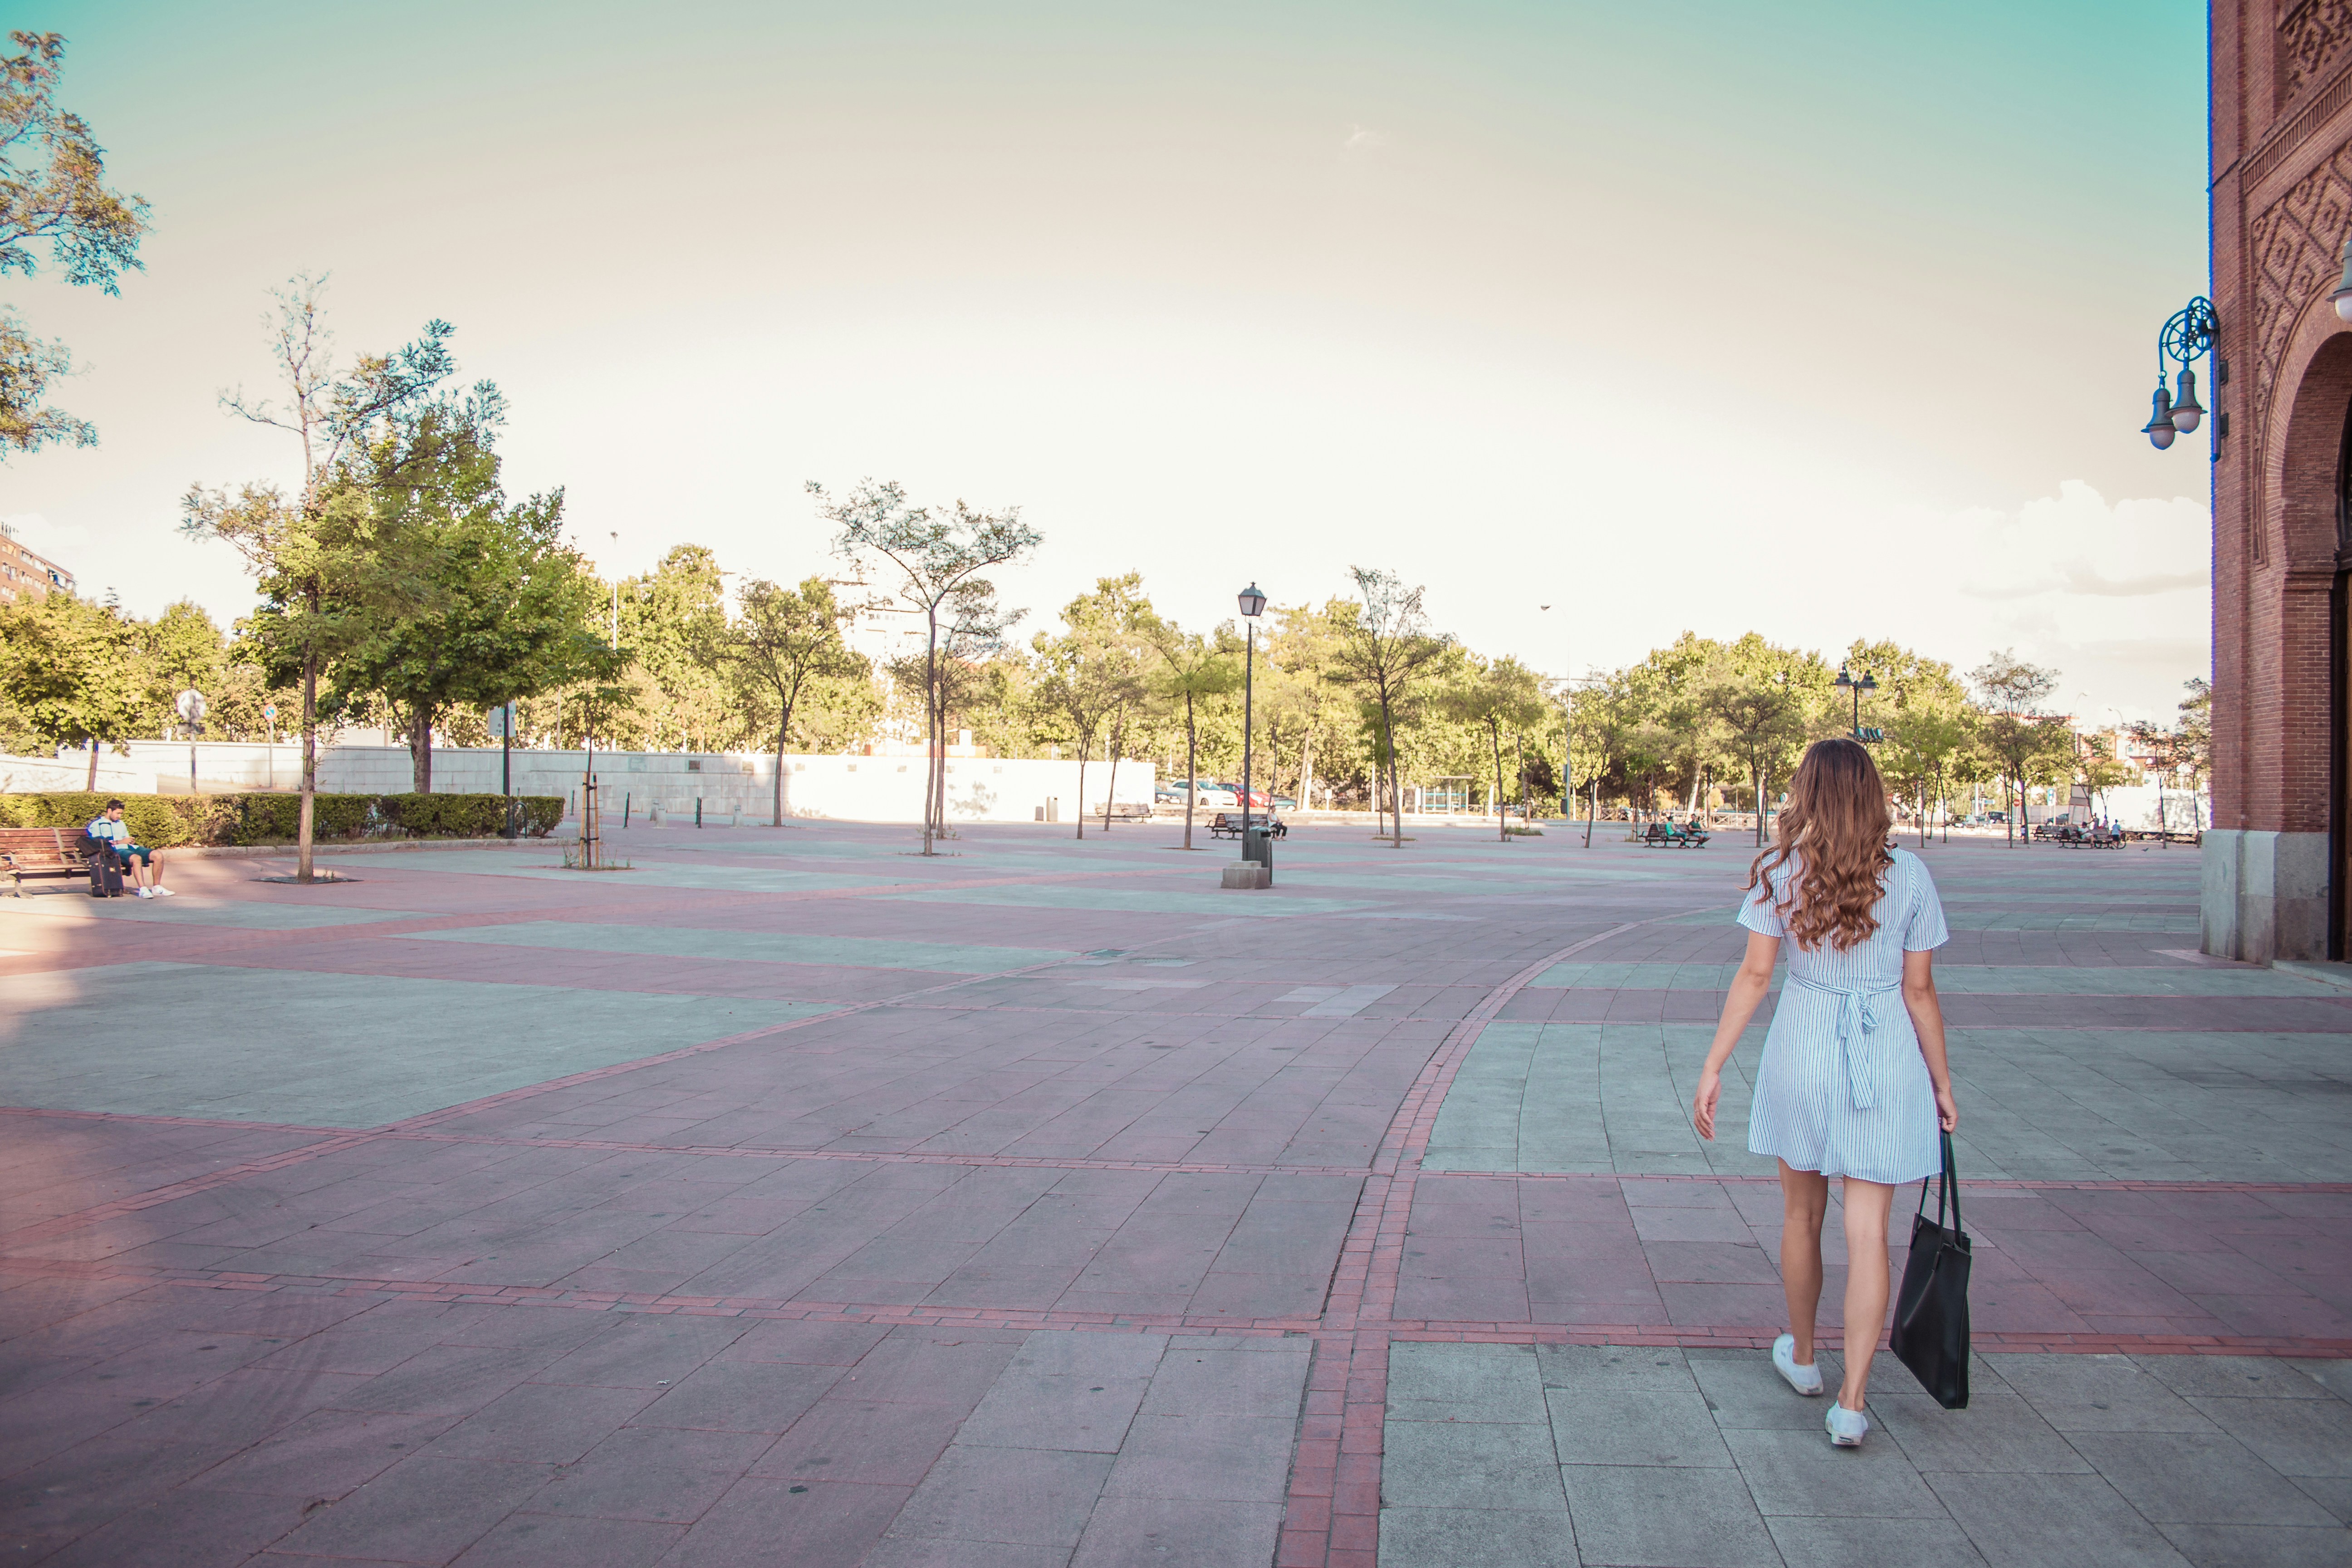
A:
[1253,602]
[2186,410]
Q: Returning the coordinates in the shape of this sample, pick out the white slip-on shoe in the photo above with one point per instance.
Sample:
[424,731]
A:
[143,893]
[164,892]
[1846,1428]
[1805,1379]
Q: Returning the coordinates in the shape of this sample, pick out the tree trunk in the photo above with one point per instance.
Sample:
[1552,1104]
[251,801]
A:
[782,725]
[1307,769]
[1396,796]
[1110,750]
[1085,747]
[1502,826]
[1192,770]
[309,765]
[91,788]
[930,727]
[420,749]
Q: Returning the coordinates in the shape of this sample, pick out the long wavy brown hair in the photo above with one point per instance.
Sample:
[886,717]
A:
[1834,830]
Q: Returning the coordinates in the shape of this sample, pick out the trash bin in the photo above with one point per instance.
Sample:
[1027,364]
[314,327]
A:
[1257,844]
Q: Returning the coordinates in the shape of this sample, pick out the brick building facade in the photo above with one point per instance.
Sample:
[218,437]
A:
[24,576]
[2274,881]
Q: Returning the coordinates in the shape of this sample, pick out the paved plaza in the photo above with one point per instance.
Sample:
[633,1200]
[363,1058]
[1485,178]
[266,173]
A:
[787,1198]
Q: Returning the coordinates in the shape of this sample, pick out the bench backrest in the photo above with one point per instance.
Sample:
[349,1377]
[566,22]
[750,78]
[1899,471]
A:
[40,843]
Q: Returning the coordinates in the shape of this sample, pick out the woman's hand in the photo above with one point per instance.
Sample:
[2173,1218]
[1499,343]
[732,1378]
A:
[1948,1112]
[1710,1089]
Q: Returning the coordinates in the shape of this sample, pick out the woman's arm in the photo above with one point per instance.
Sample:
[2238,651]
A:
[1927,1019]
[1748,989]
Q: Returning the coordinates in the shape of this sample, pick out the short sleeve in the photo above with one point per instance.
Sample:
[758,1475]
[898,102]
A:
[1760,913]
[1925,930]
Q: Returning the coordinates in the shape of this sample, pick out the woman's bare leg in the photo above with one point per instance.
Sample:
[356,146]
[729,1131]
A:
[1804,1199]
[1867,1204]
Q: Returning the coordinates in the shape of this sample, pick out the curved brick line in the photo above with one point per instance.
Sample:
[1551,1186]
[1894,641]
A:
[1333,1517]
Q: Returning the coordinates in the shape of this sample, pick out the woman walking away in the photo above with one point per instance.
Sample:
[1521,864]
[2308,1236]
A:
[1850,1085]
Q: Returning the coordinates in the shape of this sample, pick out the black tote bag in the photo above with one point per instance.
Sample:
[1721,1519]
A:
[1931,1311]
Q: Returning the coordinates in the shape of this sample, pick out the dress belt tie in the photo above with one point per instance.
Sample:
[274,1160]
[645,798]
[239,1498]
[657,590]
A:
[1858,1016]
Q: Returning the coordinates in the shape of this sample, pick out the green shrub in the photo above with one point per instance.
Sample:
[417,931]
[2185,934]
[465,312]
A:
[166,821]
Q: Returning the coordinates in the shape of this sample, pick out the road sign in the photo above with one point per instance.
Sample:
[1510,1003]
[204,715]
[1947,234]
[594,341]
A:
[269,711]
[500,718]
[190,705]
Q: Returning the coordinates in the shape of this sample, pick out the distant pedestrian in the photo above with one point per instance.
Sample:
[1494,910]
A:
[146,874]
[1850,1085]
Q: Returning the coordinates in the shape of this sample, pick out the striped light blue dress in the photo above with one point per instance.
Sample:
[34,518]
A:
[1842,1089]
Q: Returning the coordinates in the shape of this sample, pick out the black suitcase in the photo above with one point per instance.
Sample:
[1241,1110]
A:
[105,870]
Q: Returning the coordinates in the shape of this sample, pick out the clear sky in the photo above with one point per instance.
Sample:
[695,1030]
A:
[1821,319]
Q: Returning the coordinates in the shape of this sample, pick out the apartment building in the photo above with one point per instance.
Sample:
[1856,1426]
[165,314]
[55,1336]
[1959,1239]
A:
[24,576]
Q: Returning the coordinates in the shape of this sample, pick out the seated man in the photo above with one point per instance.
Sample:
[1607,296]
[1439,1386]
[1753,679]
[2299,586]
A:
[144,871]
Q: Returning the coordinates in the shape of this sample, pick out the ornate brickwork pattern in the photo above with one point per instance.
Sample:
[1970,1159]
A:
[2296,243]
[2311,38]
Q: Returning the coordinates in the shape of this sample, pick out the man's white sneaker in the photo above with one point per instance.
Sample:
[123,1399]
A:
[1846,1428]
[143,893]
[164,892]
[1805,1379]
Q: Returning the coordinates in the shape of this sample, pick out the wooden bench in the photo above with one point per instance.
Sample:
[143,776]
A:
[42,852]
[1228,824]
[1667,833]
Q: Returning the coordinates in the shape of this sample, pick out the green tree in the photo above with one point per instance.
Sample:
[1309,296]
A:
[1762,721]
[1193,669]
[674,621]
[314,553]
[53,191]
[1383,650]
[786,640]
[939,561]
[1095,671]
[1504,694]
[468,600]
[2026,744]
[72,671]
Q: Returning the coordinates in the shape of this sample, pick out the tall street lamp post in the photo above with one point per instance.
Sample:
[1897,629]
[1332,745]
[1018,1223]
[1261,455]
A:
[1252,605]
[2188,335]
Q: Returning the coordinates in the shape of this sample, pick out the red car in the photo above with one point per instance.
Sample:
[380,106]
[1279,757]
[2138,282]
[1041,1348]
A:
[1257,798]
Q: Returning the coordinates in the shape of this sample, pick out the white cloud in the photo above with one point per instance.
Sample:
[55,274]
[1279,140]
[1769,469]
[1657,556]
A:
[1361,139]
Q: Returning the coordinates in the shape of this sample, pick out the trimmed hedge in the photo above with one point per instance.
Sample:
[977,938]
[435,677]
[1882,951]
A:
[167,821]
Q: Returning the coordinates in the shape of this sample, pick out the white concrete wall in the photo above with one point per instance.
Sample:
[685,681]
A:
[855,789]
[39,775]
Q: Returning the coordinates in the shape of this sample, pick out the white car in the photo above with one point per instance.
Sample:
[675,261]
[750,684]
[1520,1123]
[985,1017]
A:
[1207,796]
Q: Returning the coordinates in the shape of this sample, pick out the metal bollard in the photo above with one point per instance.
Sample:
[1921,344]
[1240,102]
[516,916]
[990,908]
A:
[624,810]
[697,811]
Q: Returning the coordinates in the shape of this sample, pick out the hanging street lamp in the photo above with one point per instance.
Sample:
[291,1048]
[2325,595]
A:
[1867,683]
[2189,333]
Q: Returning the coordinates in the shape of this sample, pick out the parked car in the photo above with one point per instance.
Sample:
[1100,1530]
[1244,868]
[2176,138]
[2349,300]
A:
[1213,796]
[1284,803]
[1257,797]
